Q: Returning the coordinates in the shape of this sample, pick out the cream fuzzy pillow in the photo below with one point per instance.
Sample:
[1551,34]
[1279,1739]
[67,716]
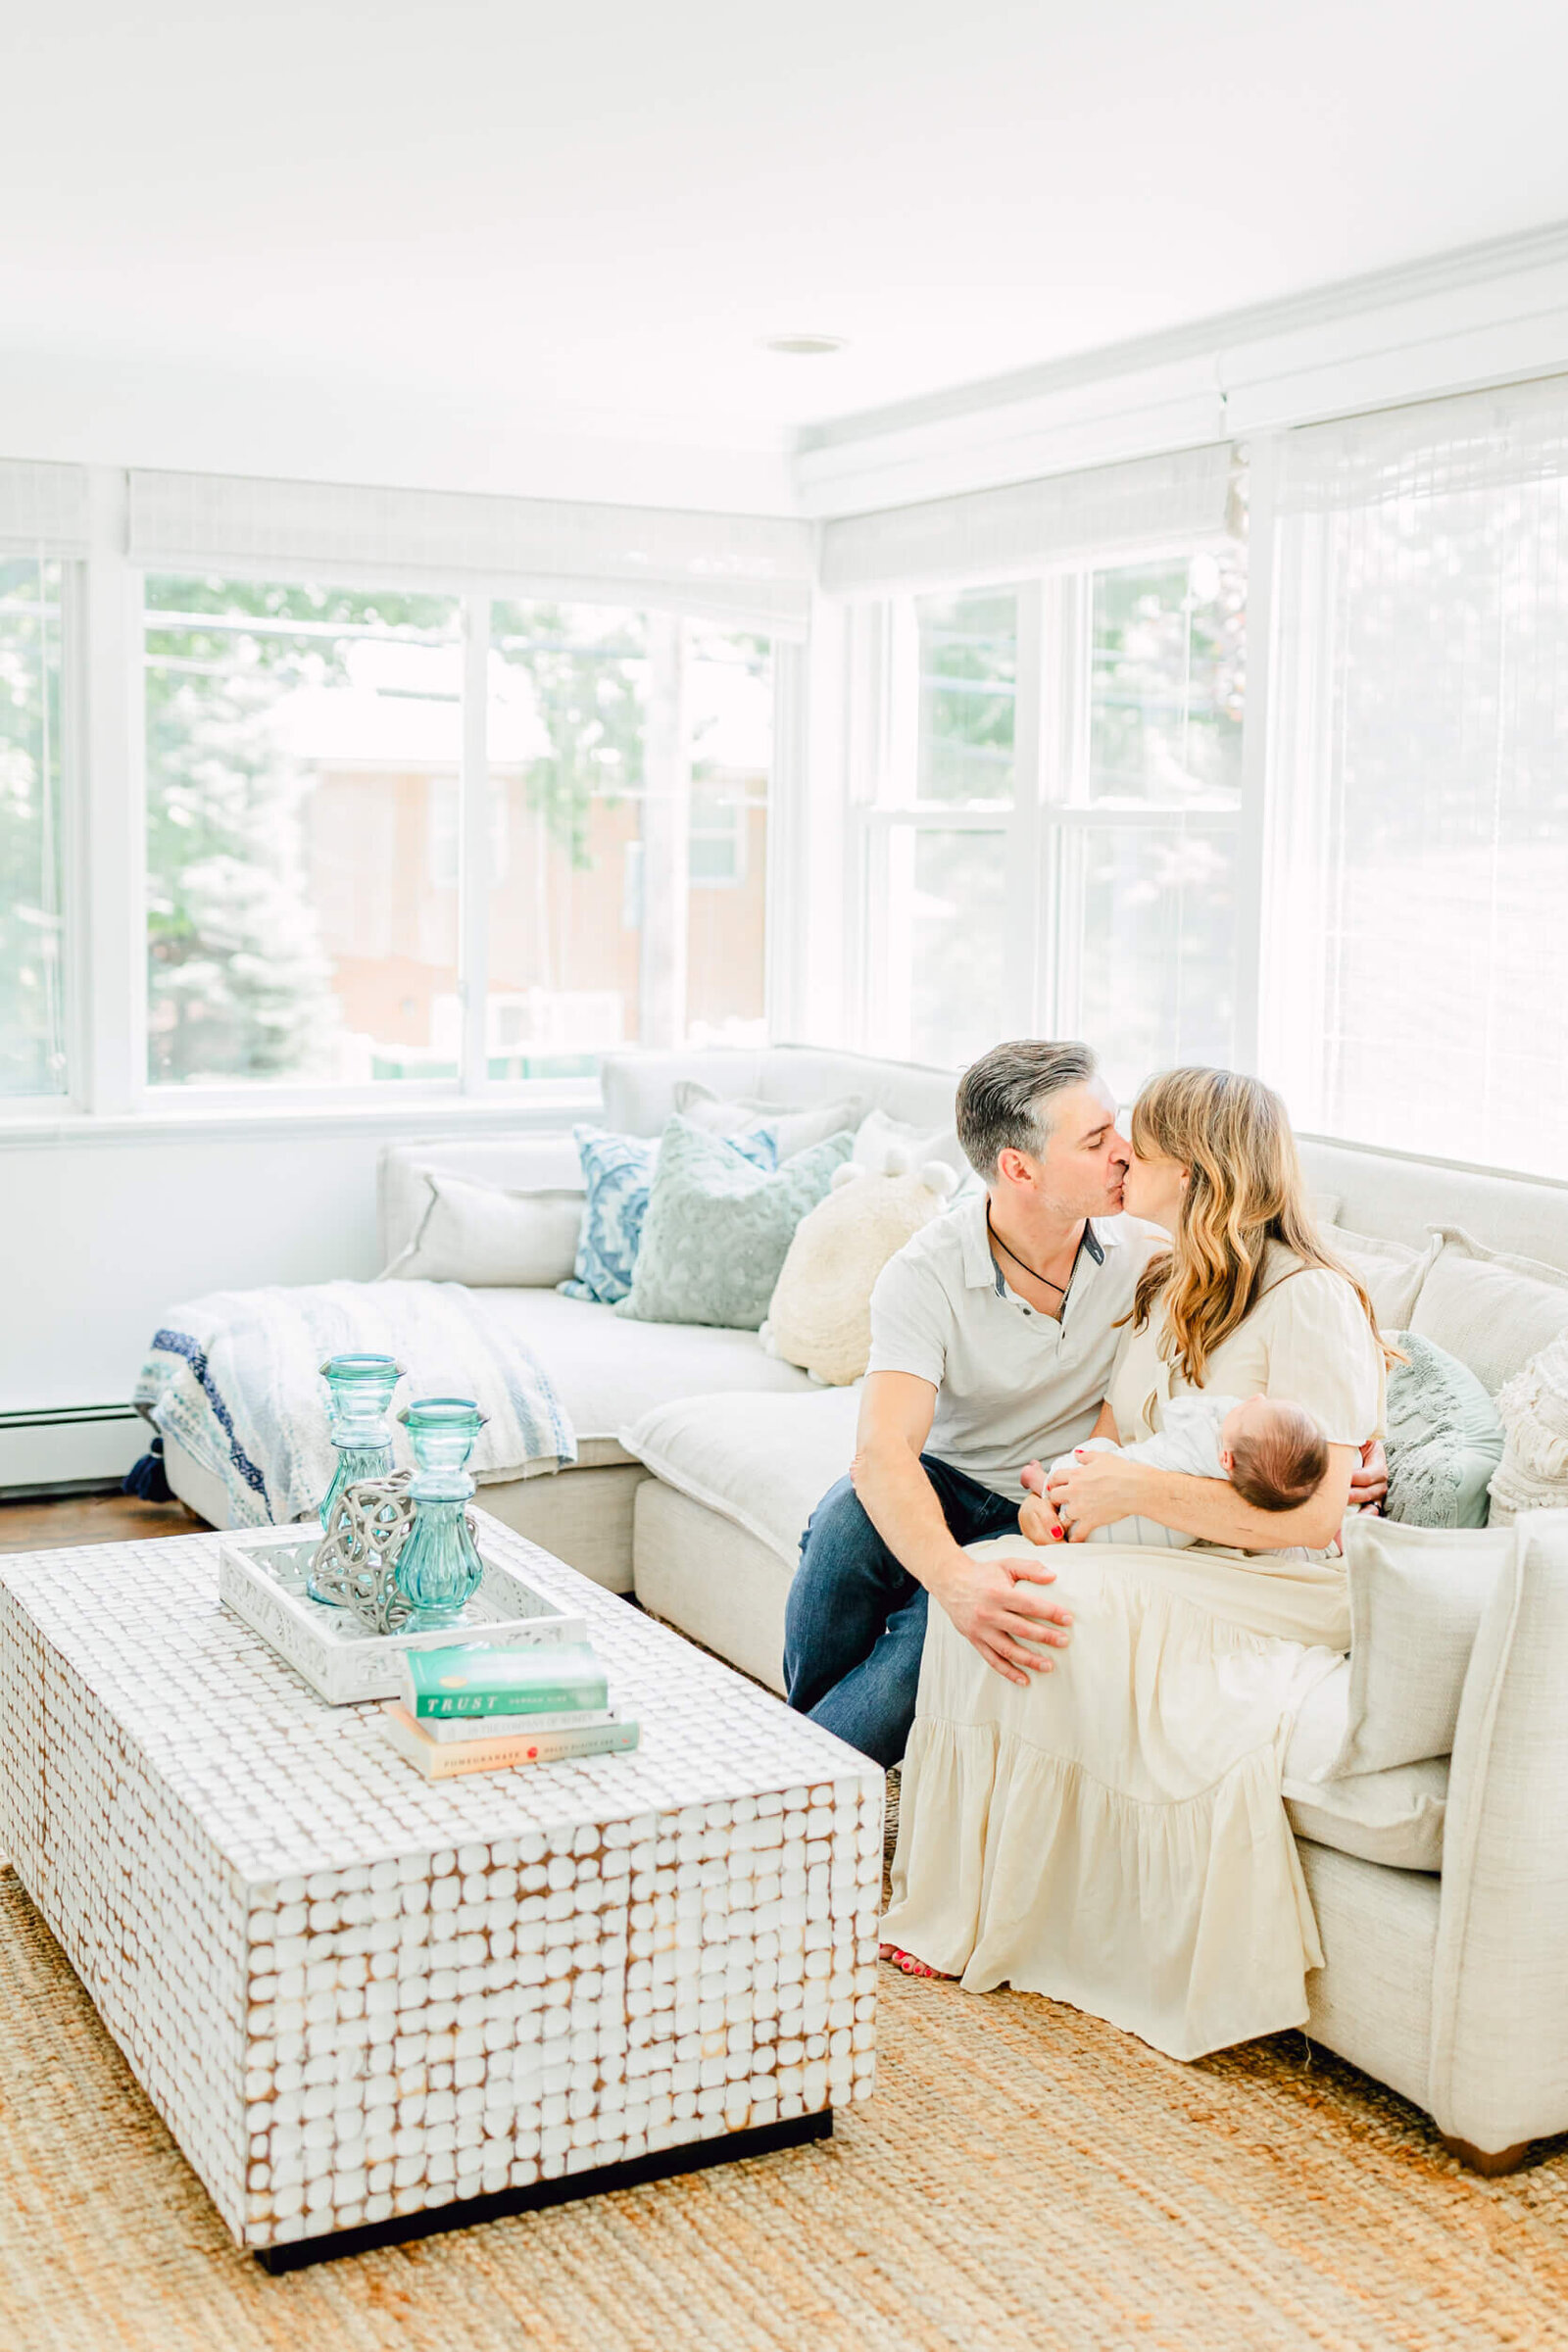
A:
[820,1314]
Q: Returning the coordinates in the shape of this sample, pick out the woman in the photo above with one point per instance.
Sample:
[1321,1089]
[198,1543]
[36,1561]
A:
[1114,1834]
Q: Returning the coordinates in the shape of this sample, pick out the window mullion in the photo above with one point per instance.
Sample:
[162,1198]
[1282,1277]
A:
[1253,986]
[474,851]
[110,836]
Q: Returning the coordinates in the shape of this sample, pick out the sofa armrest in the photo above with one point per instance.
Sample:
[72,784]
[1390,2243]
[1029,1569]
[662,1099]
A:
[1500,2019]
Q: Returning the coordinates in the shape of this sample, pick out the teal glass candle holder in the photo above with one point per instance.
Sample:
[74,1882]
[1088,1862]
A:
[359,1392]
[439,1569]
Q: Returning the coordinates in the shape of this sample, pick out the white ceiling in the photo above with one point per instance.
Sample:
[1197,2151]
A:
[584,217]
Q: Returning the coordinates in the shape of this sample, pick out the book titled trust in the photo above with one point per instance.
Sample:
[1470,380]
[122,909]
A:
[474,1678]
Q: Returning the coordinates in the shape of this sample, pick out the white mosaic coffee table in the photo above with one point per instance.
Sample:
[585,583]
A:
[355,1996]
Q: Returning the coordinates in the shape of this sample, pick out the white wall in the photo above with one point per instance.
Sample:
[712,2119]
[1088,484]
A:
[103,1236]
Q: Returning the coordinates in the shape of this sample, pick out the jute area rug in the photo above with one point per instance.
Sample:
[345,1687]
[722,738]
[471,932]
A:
[1024,2177]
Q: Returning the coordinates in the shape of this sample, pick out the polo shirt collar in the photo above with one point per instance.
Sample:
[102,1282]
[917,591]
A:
[980,1271]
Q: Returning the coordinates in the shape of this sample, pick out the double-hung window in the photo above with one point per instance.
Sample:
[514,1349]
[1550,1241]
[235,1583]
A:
[369,809]
[1051,818]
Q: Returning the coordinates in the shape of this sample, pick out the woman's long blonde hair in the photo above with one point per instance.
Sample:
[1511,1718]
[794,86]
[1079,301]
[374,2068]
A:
[1244,1191]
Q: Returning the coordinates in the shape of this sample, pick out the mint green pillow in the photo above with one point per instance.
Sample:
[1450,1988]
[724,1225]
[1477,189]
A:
[719,1228]
[1445,1438]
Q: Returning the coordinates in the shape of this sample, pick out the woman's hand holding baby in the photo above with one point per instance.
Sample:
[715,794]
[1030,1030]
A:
[1093,1489]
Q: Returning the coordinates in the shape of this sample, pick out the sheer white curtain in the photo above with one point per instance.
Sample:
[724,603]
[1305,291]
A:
[1415,939]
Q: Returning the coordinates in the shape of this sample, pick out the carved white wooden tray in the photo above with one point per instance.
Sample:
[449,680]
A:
[260,1577]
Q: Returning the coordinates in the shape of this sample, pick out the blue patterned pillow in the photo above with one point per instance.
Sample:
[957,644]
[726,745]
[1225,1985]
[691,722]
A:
[617,1172]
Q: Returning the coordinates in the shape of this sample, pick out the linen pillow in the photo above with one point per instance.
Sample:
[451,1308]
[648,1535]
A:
[1391,1817]
[1533,1474]
[619,1172]
[1392,1272]
[1494,1312]
[719,1228]
[820,1313]
[792,1130]
[1417,1596]
[1445,1438]
[487,1236]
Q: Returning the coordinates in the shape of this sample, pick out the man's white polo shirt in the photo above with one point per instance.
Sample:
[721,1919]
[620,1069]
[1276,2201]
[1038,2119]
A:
[1013,1385]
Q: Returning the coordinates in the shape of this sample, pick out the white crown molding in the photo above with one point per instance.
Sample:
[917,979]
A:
[1489,314]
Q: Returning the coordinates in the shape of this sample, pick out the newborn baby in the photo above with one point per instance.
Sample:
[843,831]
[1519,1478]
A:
[1273,1453]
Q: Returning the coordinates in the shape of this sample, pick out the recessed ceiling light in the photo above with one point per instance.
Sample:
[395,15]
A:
[803,347]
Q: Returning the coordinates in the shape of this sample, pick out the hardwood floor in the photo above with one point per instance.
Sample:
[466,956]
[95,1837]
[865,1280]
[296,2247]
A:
[47,1525]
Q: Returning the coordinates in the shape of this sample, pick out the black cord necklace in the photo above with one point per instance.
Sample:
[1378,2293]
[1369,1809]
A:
[1060,1288]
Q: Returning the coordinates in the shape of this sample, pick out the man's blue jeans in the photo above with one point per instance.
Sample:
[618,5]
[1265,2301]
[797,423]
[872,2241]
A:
[855,1621]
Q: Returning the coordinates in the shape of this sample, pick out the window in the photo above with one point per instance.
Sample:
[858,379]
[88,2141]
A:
[1050,843]
[1146,839]
[302,911]
[32,1036]
[1417,951]
[937,846]
[305,903]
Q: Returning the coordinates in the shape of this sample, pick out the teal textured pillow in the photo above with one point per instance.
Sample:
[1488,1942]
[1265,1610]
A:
[719,1229]
[617,1172]
[1445,1438]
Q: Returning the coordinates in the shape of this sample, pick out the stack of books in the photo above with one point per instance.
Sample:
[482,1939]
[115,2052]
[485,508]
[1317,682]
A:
[478,1707]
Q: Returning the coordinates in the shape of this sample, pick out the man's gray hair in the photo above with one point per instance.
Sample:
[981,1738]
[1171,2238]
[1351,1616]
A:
[1005,1098]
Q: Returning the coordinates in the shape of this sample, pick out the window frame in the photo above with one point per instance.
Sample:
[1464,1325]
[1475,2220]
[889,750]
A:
[103,819]
[1050,813]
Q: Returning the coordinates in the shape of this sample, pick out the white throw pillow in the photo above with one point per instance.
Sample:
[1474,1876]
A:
[490,1239]
[1392,1272]
[1533,1474]
[819,1316]
[1393,1817]
[1494,1311]
[879,1134]
[1417,1596]
[794,1129]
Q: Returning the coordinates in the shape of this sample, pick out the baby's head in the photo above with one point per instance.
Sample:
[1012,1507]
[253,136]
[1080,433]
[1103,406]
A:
[1273,1453]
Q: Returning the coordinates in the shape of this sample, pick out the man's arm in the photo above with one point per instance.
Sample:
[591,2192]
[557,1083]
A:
[992,1602]
[1108,1485]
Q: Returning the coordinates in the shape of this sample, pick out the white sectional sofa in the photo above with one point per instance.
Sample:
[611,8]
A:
[1446,1983]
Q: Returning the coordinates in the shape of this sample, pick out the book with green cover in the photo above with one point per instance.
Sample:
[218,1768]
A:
[479,1678]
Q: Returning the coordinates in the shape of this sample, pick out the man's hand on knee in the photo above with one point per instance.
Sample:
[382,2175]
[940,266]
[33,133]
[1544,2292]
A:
[995,1605]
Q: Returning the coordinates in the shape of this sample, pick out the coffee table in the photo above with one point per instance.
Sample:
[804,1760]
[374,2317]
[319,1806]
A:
[366,2004]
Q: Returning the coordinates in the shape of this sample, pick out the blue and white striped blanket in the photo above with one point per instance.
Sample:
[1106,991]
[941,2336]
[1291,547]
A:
[234,1378]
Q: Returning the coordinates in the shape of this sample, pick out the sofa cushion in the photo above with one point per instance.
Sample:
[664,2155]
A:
[1395,1817]
[484,1235]
[1417,1596]
[1445,1438]
[791,1128]
[1390,1273]
[719,1228]
[1492,1310]
[609,1372]
[763,1462]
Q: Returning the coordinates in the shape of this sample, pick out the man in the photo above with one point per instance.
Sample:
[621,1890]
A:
[992,1339]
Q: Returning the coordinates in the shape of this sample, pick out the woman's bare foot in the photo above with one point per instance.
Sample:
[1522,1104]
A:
[913,1967]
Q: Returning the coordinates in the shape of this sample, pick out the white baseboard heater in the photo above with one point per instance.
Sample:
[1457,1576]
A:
[68,1449]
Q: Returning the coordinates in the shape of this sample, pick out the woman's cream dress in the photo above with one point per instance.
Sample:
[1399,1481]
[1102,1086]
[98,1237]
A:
[1114,1835]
